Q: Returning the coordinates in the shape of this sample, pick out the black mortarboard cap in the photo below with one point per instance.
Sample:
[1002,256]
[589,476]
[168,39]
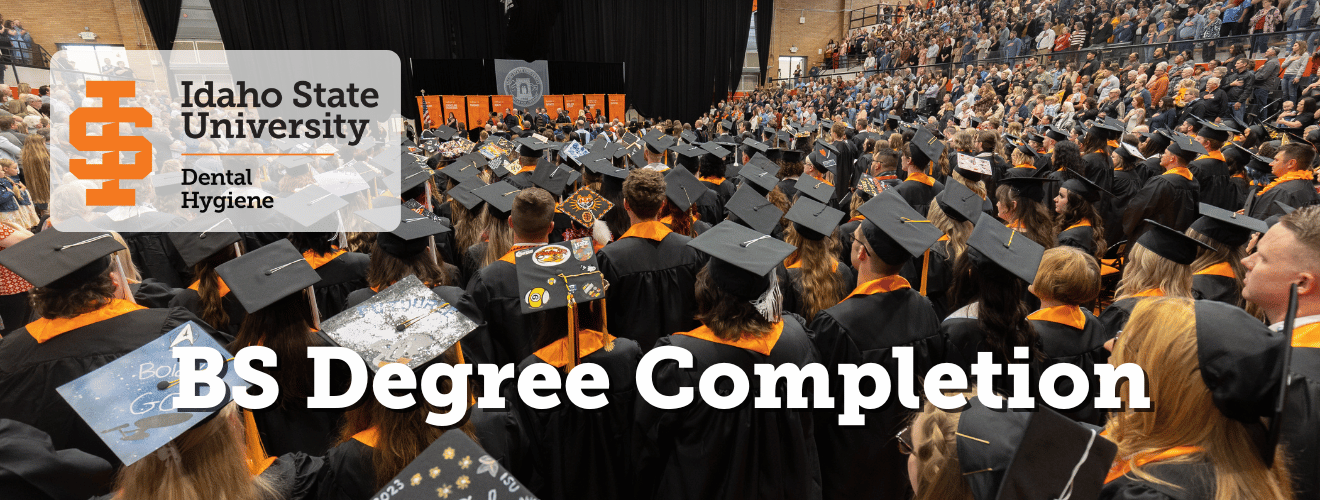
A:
[1185,148]
[1130,152]
[445,133]
[606,168]
[924,148]
[1088,190]
[683,188]
[960,203]
[636,157]
[810,186]
[1056,134]
[715,149]
[894,230]
[741,258]
[689,136]
[202,237]
[312,206]
[994,243]
[1108,128]
[585,206]
[412,174]
[409,236]
[812,219]
[753,210]
[752,146]
[792,156]
[657,142]
[1171,244]
[728,125]
[405,323]
[1027,150]
[548,273]
[264,276]
[499,196]
[1227,227]
[1236,155]
[532,147]
[462,170]
[972,167]
[552,178]
[774,154]
[760,175]
[824,156]
[1037,454]
[463,193]
[687,155]
[445,470]
[1214,132]
[1032,188]
[60,260]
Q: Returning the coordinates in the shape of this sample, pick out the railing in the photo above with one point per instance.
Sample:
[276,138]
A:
[869,15]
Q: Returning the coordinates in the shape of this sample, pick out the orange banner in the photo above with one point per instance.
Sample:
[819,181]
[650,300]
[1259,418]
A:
[572,103]
[595,102]
[433,108]
[554,103]
[478,110]
[617,109]
[502,104]
[454,105]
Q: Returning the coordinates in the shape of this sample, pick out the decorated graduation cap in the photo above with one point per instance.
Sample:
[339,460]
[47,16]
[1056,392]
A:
[760,174]
[1032,188]
[683,188]
[1089,191]
[753,210]
[813,219]
[815,188]
[411,230]
[994,243]
[972,167]
[868,186]
[553,178]
[202,237]
[1036,454]
[60,260]
[406,323]
[266,275]
[558,274]
[499,196]
[454,467]
[585,206]
[1244,364]
[742,261]
[130,409]
[1213,131]
[532,147]
[894,230]
[1227,227]
[960,203]
[462,192]
[1184,147]
[924,148]
[1170,243]
[824,156]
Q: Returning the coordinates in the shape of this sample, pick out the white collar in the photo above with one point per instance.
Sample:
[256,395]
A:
[1304,320]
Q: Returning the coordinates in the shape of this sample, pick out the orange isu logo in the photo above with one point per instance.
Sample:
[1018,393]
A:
[110,115]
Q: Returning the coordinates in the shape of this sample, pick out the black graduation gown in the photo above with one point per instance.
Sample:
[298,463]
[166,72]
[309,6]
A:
[1148,168]
[570,453]
[709,207]
[154,254]
[288,426]
[939,279]
[700,452]
[918,194]
[965,339]
[1044,162]
[1126,185]
[1212,174]
[1100,170]
[1115,317]
[794,295]
[296,476]
[1181,481]
[349,472]
[152,293]
[1169,199]
[340,277]
[723,189]
[30,371]
[1079,236]
[1241,186]
[1083,347]
[1211,283]
[1026,171]
[188,298]
[789,188]
[1295,193]
[1300,422]
[652,286]
[859,462]
[504,335]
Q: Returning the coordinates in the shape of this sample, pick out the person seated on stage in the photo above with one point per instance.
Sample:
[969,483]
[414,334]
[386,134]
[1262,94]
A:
[1158,265]
[1069,333]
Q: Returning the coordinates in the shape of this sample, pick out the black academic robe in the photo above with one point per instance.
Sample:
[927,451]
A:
[918,194]
[296,476]
[31,371]
[154,254]
[652,286]
[709,207]
[288,426]
[1180,481]
[1126,184]
[152,293]
[859,462]
[1115,317]
[722,187]
[966,339]
[1296,193]
[938,269]
[504,335]
[1169,199]
[1148,168]
[1078,236]
[1044,162]
[1217,283]
[349,472]
[1212,174]
[1022,171]
[571,453]
[1082,347]
[700,452]
[795,297]
[188,298]
[789,188]
[1300,422]
[340,277]
[1241,186]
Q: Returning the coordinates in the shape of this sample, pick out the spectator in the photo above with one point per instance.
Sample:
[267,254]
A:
[1263,22]
[1293,66]
[1267,79]
[1124,31]
[1298,16]
[1233,12]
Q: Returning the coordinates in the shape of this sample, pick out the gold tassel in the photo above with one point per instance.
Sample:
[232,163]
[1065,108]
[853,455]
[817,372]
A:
[925,270]
[573,334]
[256,453]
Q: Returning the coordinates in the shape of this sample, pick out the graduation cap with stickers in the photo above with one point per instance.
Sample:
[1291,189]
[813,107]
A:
[584,206]
[551,276]
[455,467]
[406,323]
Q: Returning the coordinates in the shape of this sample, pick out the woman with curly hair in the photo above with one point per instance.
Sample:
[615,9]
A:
[1158,265]
[816,280]
[1078,222]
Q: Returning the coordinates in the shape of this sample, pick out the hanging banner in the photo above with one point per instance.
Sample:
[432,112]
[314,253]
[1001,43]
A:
[502,104]
[594,102]
[478,107]
[525,82]
[454,105]
[554,103]
[572,103]
[432,109]
[617,108]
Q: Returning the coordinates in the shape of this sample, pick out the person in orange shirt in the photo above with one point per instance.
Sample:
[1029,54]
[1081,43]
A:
[1159,86]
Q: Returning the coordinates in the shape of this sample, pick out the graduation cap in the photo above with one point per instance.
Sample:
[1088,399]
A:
[630,139]
[636,157]
[585,206]
[412,175]
[499,196]
[992,242]
[454,467]
[406,323]
[1034,454]
[972,167]
[445,133]
[462,171]
[264,276]
[1186,148]
[753,210]
[1130,153]
[1171,244]
[687,155]
[1210,130]
[924,148]
[784,136]
[810,186]
[110,399]
[1236,155]
[812,219]
[1026,150]
[532,147]
[1089,191]
[463,192]
[1109,127]
[715,149]
[774,154]
[1227,227]
[824,156]
[551,177]
[1032,188]
[868,186]
[683,188]
[728,125]
[1245,365]
[607,169]
[60,260]
[202,237]
[689,136]
[1030,136]
[894,230]
[411,229]
[792,156]
[760,174]
[657,142]
[1056,134]
[742,259]
[550,275]
[752,146]
[1259,163]
[960,203]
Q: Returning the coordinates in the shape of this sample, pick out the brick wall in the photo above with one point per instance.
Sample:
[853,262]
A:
[811,37]
[117,22]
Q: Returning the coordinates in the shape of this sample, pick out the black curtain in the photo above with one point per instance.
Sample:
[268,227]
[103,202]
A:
[569,77]
[765,22]
[679,56]
[163,20]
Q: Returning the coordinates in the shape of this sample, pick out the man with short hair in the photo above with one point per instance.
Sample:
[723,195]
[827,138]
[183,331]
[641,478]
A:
[847,170]
[1171,199]
[650,269]
[1292,184]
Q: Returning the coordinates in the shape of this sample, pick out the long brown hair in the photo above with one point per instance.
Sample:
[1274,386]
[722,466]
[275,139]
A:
[211,463]
[727,316]
[1160,337]
[821,286]
[208,288]
[286,328]
[1032,215]
[385,269]
[36,167]
[1078,210]
[499,237]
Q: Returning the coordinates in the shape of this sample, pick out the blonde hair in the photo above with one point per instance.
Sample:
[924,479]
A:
[1068,275]
[211,463]
[1161,338]
[126,259]
[1147,270]
[958,232]
[821,286]
[939,473]
[499,238]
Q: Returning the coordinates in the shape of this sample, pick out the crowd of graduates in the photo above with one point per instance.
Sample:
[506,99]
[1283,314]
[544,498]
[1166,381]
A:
[828,243]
